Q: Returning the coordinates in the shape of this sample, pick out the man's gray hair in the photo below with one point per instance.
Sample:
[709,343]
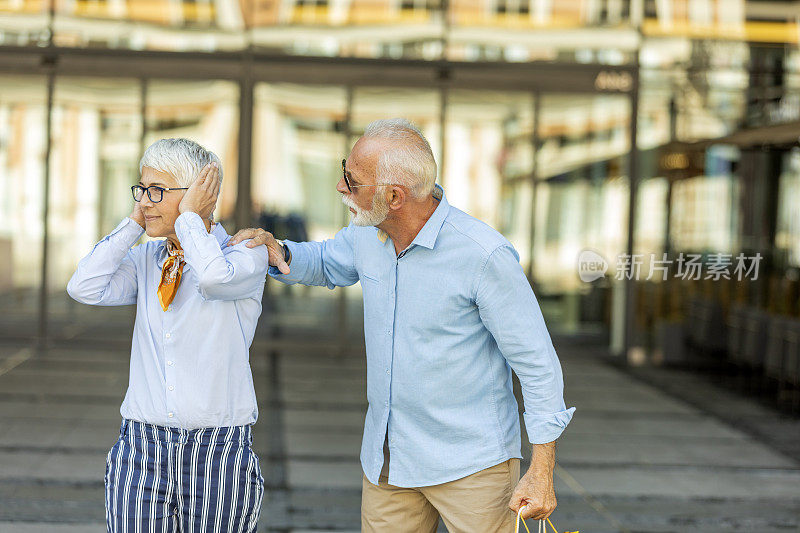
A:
[409,161]
[182,159]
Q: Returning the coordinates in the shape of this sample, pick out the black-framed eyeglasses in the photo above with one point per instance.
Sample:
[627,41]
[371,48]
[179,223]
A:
[350,186]
[154,192]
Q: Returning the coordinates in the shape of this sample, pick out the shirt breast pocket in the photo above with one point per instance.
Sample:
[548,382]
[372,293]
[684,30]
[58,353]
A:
[374,297]
[367,277]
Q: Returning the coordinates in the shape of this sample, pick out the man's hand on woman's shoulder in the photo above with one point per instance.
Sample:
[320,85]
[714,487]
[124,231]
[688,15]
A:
[258,237]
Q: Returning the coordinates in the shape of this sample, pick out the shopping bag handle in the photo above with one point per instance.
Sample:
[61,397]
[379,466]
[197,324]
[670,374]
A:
[542,525]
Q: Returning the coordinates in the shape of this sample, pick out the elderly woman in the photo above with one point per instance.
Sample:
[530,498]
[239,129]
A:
[183,461]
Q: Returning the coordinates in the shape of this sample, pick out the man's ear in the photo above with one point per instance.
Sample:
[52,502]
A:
[397,198]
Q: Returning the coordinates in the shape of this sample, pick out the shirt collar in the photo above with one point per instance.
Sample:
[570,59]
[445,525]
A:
[430,231]
[427,235]
[216,230]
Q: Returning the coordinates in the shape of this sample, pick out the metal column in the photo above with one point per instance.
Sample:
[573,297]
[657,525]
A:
[347,131]
[49,62]
[244,205]
[633,178]
[143,87]
[537,107]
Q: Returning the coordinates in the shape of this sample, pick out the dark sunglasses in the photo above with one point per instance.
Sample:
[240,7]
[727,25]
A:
[350,186]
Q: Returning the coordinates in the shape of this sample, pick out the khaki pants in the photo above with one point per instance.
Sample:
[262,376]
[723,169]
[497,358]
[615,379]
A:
[474,504]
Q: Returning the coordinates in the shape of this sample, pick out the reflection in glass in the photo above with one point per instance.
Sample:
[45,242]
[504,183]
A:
[298,146]
[787,238]
[23,104]
[206,112]
[96,137]
[704,214]
[488,142]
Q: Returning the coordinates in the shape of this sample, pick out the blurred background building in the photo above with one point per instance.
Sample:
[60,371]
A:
[661,130]
[531,107]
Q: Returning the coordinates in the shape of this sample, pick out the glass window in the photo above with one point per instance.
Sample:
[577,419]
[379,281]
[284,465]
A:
[96,138]
[298,145]
[23,119]
[488,142]
[206,112]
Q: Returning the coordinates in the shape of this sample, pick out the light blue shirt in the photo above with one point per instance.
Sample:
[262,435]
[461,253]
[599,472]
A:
[190,364]
[445,322]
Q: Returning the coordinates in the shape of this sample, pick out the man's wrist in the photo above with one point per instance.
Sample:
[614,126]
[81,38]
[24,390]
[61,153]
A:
[287,253]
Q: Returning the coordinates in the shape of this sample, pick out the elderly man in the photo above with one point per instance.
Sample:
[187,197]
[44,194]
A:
[448,313]
[183,460]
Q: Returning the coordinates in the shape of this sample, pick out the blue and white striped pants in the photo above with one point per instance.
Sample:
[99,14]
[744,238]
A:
[166,480]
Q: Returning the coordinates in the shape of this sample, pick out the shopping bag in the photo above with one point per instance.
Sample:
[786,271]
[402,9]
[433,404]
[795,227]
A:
[542,524]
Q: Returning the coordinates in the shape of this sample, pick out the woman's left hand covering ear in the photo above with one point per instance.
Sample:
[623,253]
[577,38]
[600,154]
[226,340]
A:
[201,198]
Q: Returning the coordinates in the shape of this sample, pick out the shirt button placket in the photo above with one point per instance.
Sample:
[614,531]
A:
[168,374]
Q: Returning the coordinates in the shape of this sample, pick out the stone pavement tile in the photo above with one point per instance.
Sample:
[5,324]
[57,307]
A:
[337,509]
[112,385]
[666,450]
[313,443]
[29,527]
[687,482]
[33,433]
[336,421]
[323,350]
[739,411]
[102,366]
[314,474]
[355,395]
[330,377]
[309,403]
[39,409]
[30,501]
[624,400]
[88,370]
[689,425]
[300,366]
[65,433]
[714,398]
[591,372]
[92,435]
[60,467]
[704,514]
[334,379]
[324,531]
[99,355]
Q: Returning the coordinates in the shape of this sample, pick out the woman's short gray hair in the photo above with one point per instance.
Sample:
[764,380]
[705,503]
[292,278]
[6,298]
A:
[182,159]
[409,161]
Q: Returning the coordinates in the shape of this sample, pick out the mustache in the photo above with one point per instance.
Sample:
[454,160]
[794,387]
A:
[349,203]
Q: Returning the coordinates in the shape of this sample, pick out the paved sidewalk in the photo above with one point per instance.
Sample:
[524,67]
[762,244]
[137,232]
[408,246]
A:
[634,458]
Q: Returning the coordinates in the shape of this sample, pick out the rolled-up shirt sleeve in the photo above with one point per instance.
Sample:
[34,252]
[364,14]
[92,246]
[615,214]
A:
[107,275]
[238,273]
[329,263]
[509,311]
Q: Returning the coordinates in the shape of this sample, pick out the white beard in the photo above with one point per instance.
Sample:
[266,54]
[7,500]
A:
[371,217]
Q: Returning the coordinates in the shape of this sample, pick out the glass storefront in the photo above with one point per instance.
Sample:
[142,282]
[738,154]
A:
[556,182]
[23,112]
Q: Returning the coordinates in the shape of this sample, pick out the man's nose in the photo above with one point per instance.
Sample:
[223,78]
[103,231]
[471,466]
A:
[341,186]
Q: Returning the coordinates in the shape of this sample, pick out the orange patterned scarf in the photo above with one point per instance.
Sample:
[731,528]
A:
[170,276]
